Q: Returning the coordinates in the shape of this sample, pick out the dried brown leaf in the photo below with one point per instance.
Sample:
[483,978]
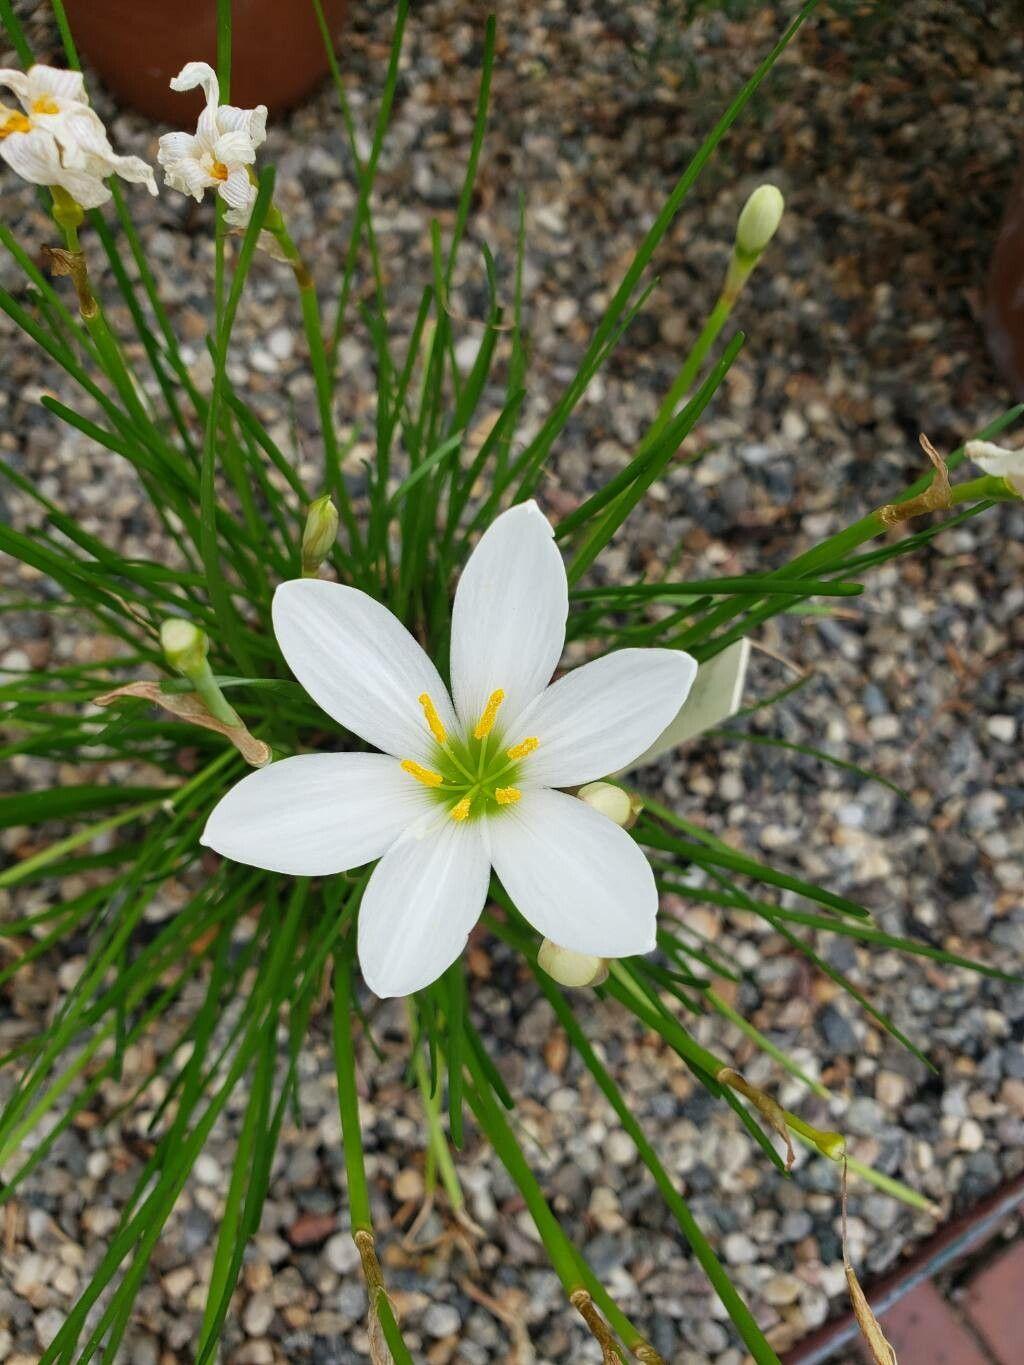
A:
[189,706]
[881,1350]
[770,1110]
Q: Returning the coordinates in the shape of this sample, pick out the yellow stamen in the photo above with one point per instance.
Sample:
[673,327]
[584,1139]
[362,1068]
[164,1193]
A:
[219,171]
[507,796]
[523,748]
[13,122]
[45,104]
[421,774]
[485,724]
[461,810]
[433,719]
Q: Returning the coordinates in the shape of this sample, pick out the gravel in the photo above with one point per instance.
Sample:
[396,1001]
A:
[894,139]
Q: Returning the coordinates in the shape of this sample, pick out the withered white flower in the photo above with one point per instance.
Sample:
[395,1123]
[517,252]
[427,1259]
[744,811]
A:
[998,460]
[218,155]
[58,139]
[464,783]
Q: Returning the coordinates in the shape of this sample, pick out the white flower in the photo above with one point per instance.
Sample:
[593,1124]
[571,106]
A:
[59,139]
[218,155]
[464,783]
[997,460]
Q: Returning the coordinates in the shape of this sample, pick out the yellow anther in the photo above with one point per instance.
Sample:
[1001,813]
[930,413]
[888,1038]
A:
[507,796]
[485,724]
[219,171]
[13,122]
[460,811]
[524,747]
[421,774]
[433,719]
[45,104]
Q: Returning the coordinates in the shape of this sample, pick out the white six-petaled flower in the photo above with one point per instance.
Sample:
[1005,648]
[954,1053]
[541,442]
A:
[58,139]
[467,782]
[998,460]
[218,155]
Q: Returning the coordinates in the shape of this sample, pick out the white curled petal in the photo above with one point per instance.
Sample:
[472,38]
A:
[234,149]
[190,177]
[360,664]
[239,193]
[135,171]
[316,814]
[597,719]
[252,122]
[78,129]
[422,900]
[56,83]
[85,186]
[578,878]
[17,81]
[174,147]
[201,74]
[508,619]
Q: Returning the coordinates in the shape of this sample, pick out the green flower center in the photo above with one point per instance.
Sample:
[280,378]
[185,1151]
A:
[474,775]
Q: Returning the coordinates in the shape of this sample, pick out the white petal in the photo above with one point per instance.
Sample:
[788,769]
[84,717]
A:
[423,898]
[57,83]
[598,718]
[175,147]
[13,79]
[253,122]
[999,461]
[578,878]
[360,664]
[34,155]
[717,694]
[189,176]
[234,149]
[508,620]
[316,814]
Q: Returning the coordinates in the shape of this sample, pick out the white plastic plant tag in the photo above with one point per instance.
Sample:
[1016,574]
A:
[716,694]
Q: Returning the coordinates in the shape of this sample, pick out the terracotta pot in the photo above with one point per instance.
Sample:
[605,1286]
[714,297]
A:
[138,45]
[1004,310]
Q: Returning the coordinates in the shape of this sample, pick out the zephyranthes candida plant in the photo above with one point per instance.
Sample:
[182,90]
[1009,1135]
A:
[356,694]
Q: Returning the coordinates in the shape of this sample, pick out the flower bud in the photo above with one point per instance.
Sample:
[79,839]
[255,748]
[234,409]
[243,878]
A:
[569,968]
[319,535]
[185,646]
[613,801]
[759,220]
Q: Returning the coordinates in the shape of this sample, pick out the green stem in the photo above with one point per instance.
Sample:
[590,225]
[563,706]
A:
[439,1149]
[765,1044]
[691,366]
[348,1100]
[321,372]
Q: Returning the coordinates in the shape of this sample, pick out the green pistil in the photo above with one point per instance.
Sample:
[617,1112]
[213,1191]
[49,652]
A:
[474,768]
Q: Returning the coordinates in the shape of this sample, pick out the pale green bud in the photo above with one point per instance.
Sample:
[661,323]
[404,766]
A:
[185,646]
[612,801]
[759,220]
[569,968]
[319,535]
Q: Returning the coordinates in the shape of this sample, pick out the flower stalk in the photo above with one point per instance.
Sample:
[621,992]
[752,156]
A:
[755,227]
